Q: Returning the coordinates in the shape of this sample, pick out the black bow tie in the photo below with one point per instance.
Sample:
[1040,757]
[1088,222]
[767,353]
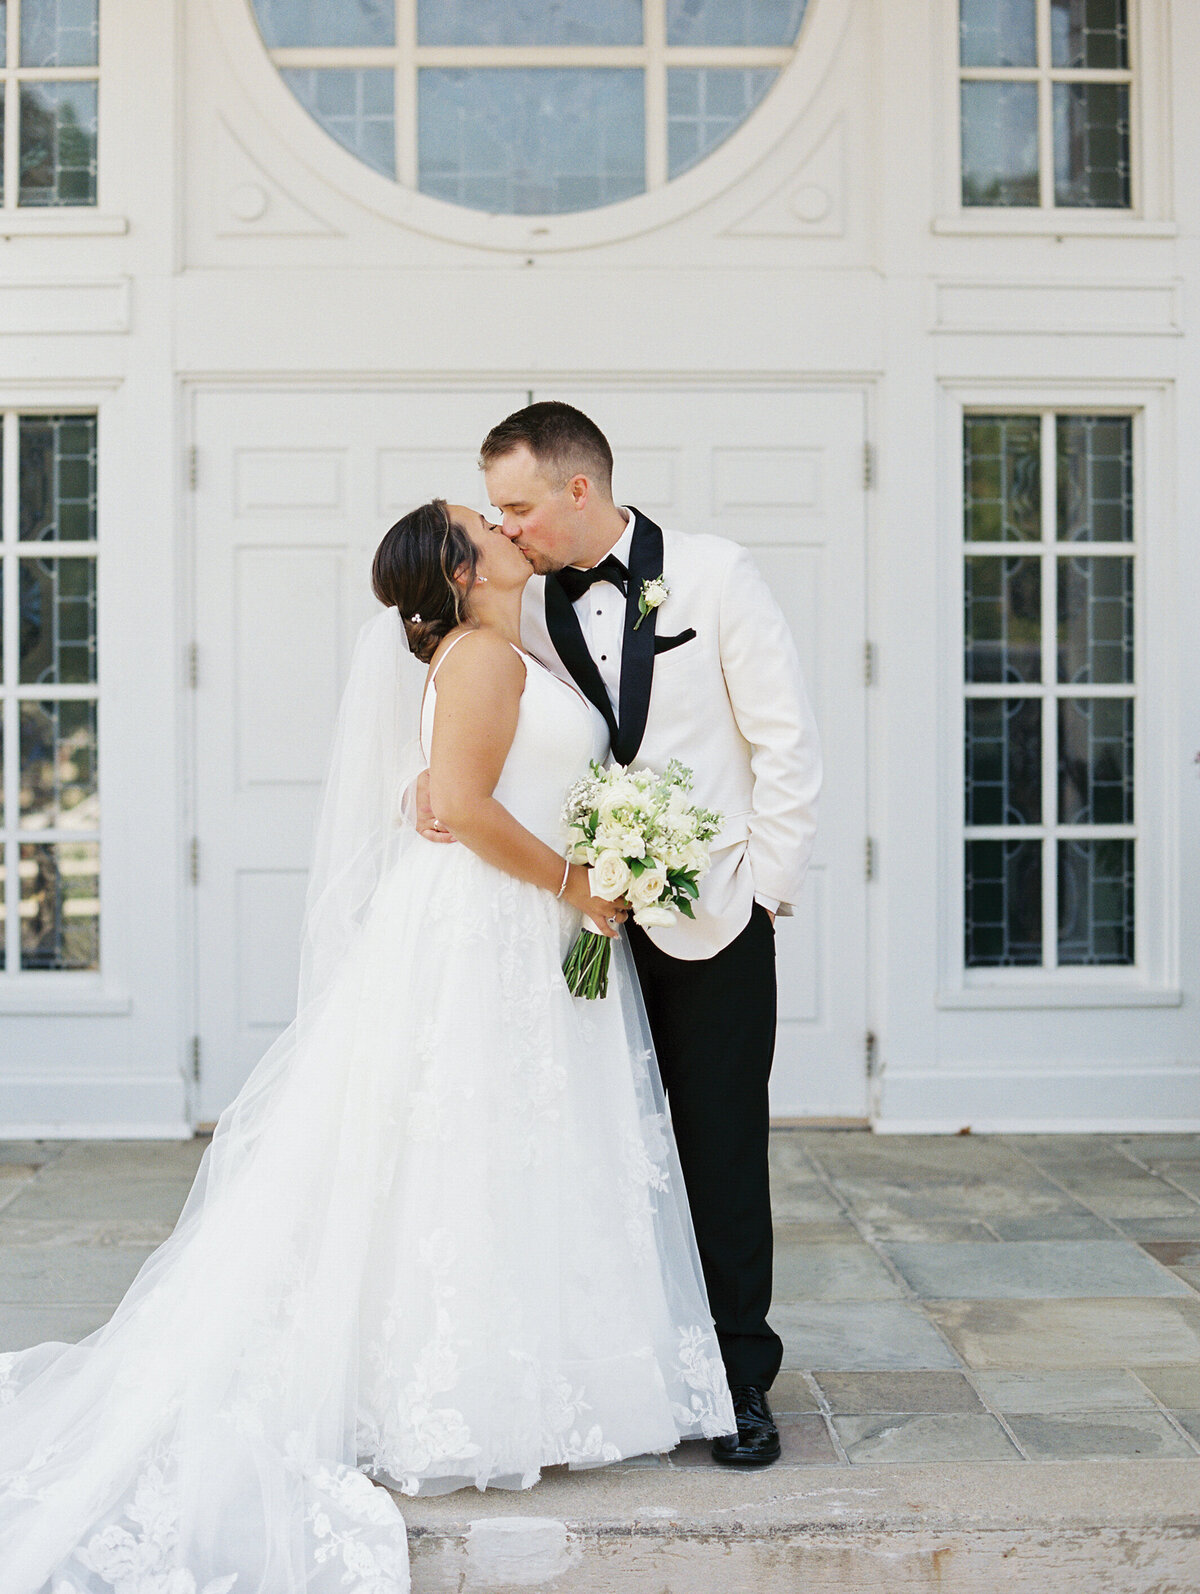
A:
[576,582]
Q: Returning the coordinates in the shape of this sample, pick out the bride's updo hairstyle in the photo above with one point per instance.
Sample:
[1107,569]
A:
[414,572]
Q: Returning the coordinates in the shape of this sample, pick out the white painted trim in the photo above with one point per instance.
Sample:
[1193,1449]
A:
[170,1129]
[61,221]
[1039,1126]
[1025,995]
[1140,1098]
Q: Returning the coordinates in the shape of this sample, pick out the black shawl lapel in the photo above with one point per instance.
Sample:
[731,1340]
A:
[637,649]
[567,635]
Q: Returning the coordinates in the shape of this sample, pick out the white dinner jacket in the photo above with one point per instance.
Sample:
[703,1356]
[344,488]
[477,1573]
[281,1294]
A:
[729,702]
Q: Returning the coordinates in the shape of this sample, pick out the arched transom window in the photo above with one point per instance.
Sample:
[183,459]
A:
[530,107]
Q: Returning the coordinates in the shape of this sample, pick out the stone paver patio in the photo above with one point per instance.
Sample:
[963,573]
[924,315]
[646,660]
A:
[995,1303]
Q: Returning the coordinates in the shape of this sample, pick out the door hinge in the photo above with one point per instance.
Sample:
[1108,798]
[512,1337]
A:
[193,665]
[868,664]
[869,858]
[868,466]
[193,466]
[196,1058]
[194,861]
[871,1051]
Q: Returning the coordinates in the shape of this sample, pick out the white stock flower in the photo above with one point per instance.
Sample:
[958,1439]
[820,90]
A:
[628,842]
[654,917]
[648,886]
[610,876]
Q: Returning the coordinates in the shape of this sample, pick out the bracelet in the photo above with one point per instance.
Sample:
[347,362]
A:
[563,887]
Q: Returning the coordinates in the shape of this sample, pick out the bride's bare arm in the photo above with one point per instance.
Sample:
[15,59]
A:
[479,688]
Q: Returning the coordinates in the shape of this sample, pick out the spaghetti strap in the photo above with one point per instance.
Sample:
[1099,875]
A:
[445,656]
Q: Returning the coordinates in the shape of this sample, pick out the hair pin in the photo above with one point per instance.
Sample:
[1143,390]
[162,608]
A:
[414,619]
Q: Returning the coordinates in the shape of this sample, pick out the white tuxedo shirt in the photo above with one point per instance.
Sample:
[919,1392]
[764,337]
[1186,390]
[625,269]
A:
[730,703]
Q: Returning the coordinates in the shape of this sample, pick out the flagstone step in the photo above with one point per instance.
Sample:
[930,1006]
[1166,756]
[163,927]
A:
[1095,1527]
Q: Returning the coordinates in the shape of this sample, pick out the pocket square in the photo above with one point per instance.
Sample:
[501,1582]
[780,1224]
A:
[664,644]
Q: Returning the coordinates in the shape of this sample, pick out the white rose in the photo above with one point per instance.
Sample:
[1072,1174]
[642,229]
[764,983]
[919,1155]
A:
[615,838]
[621,794]
[610,876]
[648,886]
[653,917]
[696,856]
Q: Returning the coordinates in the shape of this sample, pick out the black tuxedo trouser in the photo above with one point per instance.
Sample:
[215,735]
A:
[713,1023]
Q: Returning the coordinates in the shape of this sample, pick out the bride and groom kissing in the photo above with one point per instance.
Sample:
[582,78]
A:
[441,1237]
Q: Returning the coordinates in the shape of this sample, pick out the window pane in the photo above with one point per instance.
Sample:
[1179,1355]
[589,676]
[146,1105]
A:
[1003,903]
[1095,761]
[58,144]
[58,766]
[999,144]
[1003,478]
[529,22]
[58,621]
[1004,761]
[357,107]
[1003,619]
[1089,33]
[531,142]
[705,105]
[60,907]
[1095,478]
[734,21]
[1091,144]
[998,32]
[58,32]
[58,478]
[1095,620]
[335,22]
[1095,902]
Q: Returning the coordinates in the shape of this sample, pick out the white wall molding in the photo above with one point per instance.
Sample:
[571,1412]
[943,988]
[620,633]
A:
[1135,1099]
[1134,308]
[70,305]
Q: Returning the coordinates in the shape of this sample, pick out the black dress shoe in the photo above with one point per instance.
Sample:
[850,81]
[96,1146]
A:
[756,1443]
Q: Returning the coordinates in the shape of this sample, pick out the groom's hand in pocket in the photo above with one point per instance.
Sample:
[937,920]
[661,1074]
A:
[427,825]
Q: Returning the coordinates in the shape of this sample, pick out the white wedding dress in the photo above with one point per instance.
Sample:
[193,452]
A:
[440,1238]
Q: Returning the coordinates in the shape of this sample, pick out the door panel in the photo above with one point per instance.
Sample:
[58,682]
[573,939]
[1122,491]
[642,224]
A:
[295,490]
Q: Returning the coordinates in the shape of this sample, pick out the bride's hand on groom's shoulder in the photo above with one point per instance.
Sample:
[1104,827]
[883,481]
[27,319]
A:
[605,915]
[426,824]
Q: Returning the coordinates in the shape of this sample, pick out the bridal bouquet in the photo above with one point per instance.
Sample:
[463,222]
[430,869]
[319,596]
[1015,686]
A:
[643,840]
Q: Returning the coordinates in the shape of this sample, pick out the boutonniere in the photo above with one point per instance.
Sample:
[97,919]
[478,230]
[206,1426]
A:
[654,591]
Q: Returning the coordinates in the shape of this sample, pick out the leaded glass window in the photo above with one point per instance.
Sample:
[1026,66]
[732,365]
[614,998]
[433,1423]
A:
[49,688]
[49,72]
[530,107]
[1045,103]
[1051,695]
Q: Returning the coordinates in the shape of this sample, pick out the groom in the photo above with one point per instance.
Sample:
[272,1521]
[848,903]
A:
[710,677]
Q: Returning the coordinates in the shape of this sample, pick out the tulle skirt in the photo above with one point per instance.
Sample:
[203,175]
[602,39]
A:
[440,1238]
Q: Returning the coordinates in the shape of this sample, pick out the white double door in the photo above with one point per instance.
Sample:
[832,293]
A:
[294,490]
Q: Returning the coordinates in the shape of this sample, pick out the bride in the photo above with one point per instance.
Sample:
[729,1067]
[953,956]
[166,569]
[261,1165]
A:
[440,1238]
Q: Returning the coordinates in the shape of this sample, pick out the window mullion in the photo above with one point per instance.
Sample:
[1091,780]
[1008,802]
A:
[405,93]
[11,927]
[1049,607]
[654,38]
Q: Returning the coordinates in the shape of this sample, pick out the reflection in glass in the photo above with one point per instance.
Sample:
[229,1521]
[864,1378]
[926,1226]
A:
[60,905]
[285,23]
[58,766]
[1004,761]
[1095,901]
[535,141]
[762,22]
[999,144]
[1089,33]
[1095,478]
[1003,478]
[1003,906]
[58,144]
[1091,145]
[705,104]
[516,22]
[1095,760]
[58,478]
[355,106]
[1095,620]
[58,621]
[1003,619]
[998,32]
[59,32]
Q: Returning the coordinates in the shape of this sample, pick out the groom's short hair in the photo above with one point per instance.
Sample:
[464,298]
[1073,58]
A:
[562,439]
